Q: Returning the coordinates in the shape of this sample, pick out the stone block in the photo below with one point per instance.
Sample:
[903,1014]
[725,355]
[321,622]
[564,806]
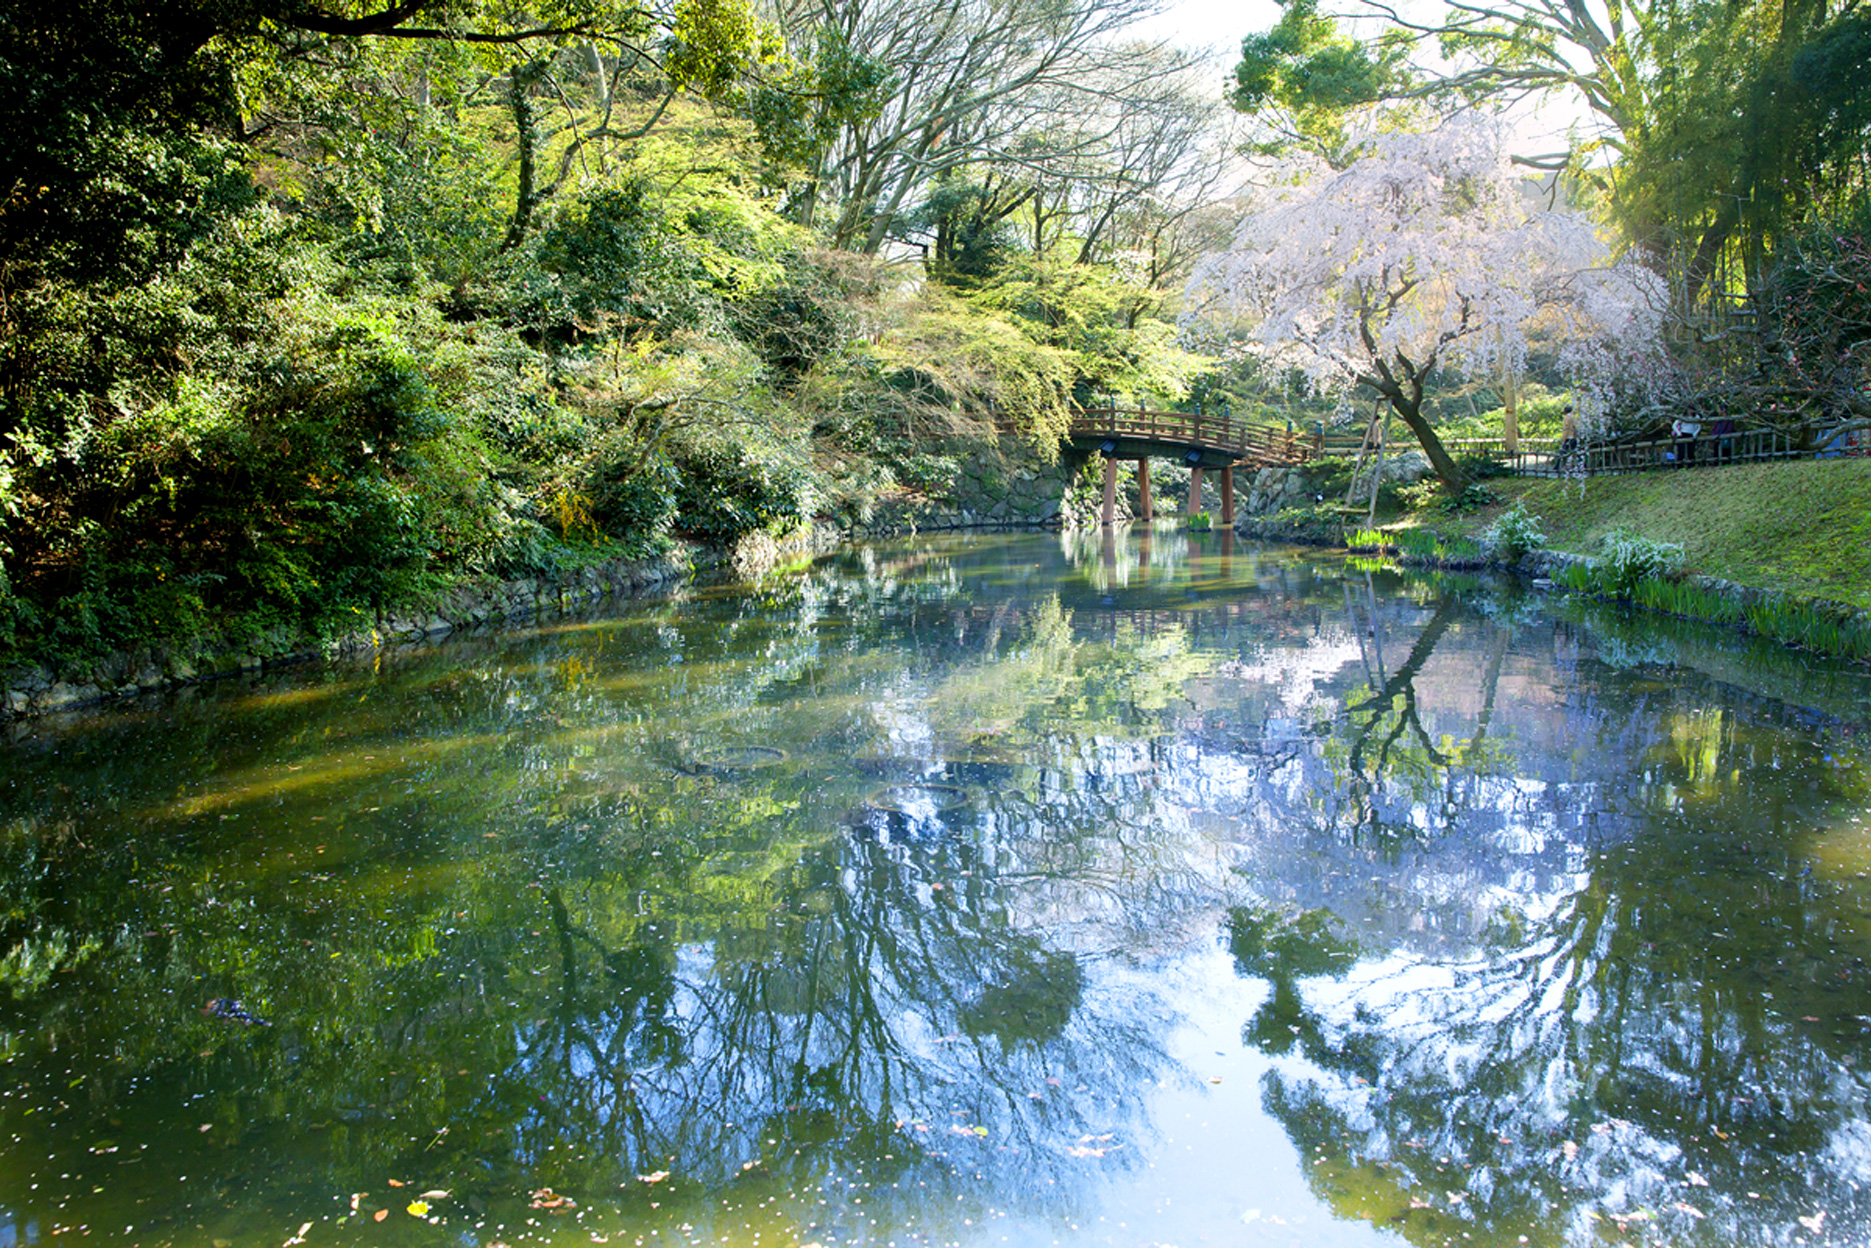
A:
[62,696]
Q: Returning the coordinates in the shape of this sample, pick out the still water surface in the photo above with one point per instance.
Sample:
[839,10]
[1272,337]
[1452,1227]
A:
[974,890]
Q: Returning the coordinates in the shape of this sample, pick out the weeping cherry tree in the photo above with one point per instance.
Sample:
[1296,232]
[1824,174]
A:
[1423,250]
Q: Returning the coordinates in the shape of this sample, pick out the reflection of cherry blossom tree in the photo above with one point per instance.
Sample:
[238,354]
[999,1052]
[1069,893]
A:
[1422,251]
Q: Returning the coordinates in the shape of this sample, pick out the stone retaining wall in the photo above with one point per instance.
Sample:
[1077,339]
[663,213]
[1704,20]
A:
[34,691]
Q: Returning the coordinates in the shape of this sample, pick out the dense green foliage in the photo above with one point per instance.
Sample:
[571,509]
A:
[306,311]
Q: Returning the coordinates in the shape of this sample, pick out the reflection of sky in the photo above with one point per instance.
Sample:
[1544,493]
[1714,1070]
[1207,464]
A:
[1512,988]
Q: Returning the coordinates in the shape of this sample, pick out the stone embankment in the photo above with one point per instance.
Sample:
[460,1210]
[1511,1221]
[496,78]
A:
[38,690]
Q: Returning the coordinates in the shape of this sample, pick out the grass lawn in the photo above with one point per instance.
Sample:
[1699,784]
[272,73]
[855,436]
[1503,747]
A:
[1801,526]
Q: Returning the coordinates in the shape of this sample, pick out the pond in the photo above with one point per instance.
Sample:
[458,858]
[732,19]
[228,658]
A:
[1134,890]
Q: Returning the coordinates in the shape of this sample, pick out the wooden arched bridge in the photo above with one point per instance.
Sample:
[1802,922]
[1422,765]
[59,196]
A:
[1198,440]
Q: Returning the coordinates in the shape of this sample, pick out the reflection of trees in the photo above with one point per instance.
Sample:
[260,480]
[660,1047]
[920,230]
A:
[1604,1043]
[544,947]
[544,952]
[1383,757]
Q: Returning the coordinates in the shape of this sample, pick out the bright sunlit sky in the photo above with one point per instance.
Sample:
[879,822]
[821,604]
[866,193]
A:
[1218,26]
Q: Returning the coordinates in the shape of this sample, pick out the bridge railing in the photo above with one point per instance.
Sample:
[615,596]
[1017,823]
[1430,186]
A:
[1217,431]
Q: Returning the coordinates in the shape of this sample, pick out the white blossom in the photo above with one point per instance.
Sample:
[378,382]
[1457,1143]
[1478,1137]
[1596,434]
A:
[1428,248]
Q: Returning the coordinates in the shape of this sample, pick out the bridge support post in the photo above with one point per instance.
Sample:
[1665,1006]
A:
[1145,512]
[1195,490]
[1109,515]
[1227,497]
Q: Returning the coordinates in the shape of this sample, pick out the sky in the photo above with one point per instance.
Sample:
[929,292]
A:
[1218,26]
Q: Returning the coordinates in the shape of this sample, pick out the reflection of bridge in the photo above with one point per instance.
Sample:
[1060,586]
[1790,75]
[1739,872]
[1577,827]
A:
[1198,440]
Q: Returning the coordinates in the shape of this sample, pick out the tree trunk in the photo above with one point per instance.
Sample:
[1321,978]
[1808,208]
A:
[526,135]
[600,78]
[1453,479]
[1405,397]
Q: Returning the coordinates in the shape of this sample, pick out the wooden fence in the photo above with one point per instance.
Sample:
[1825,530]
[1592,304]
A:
[1545,457]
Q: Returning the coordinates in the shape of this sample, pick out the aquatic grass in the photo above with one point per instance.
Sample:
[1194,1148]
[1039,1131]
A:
[1821,628]
[1462,550]
[1418,544]
[1687,600]
[1576,577]
[1431,549]
[1367,539]
[1811,628]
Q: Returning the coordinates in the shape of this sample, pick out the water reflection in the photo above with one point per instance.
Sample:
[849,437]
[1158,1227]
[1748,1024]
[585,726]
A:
[906,898]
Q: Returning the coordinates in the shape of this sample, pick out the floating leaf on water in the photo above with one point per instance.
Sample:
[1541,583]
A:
[380,1215]
[1570,1149]
[418,1208]
[1695,1180]
[1815,1222]
[395,1182]
[435,1193]
[656,1177]
[1689,1209]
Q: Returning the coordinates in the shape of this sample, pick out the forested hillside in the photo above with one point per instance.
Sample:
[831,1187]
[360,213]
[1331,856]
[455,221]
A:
[306,309]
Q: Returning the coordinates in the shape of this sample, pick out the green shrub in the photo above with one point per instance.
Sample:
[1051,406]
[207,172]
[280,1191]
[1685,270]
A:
[1474,498]
[1480,466]
[1329,477]
[1428,494]
[1513,536]
[927,474]
[722,495]
[631,502]
[1201,522]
